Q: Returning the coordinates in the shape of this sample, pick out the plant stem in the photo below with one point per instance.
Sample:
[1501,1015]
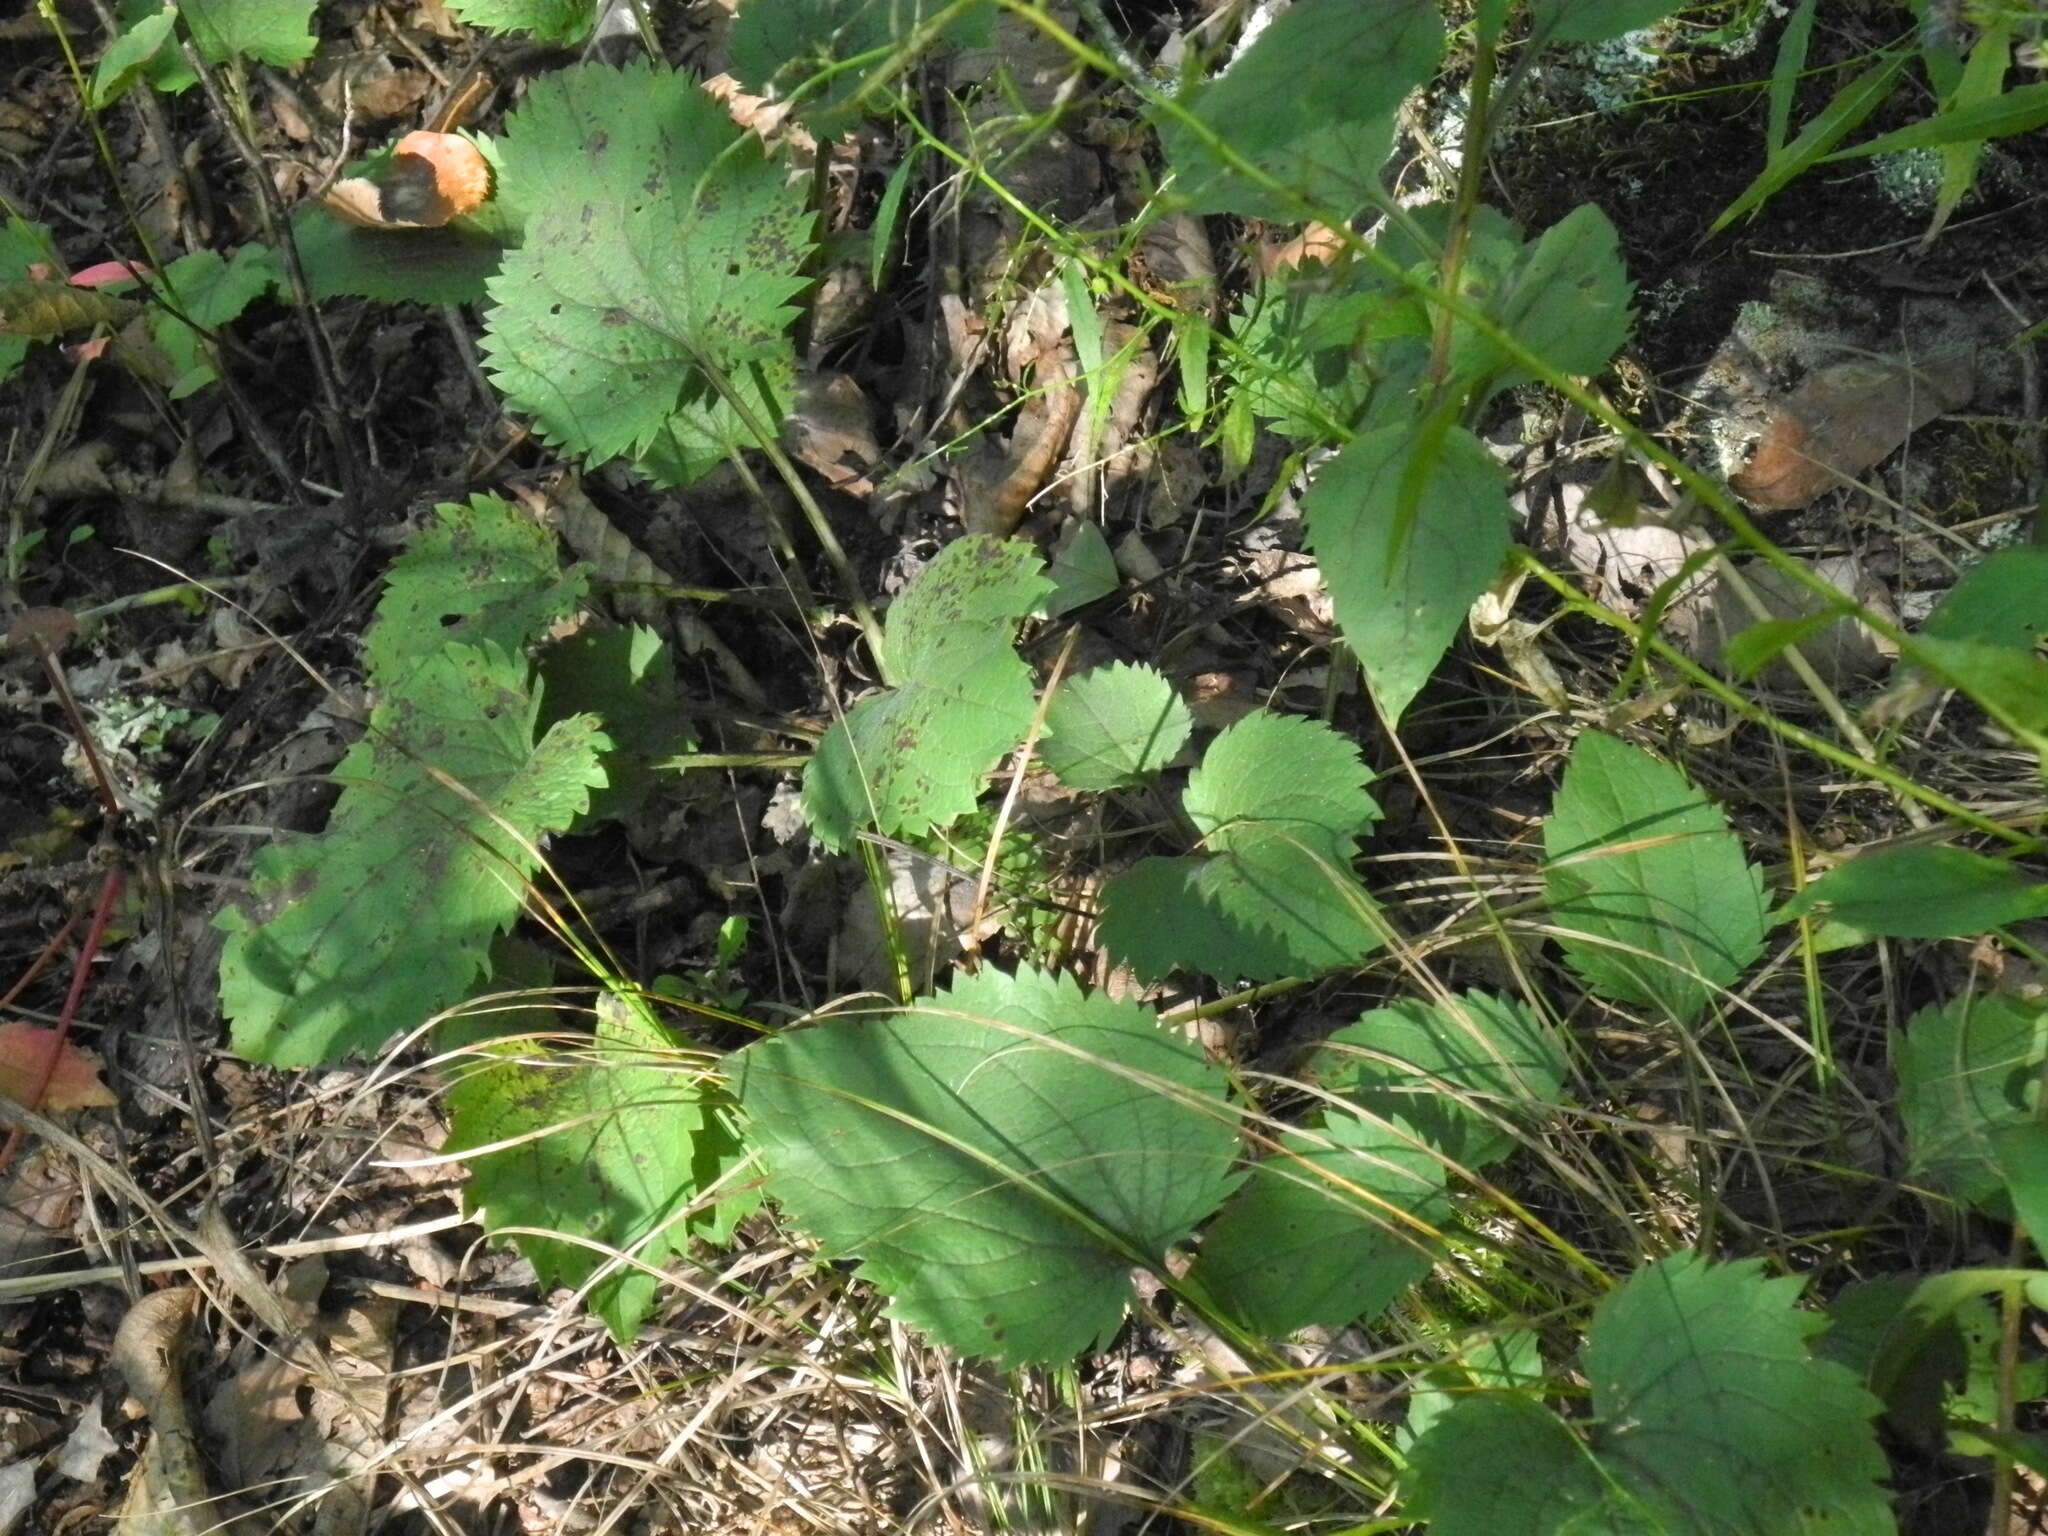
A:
[1471,181]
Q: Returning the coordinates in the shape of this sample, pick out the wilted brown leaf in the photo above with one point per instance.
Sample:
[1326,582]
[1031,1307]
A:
[74,1081]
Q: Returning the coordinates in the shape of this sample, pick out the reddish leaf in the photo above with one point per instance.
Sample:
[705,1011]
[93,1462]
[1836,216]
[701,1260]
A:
[25,1056]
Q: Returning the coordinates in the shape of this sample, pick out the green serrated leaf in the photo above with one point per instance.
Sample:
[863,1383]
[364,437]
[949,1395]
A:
[22,244]
[551,21]
[276,32]
[1454,1070]
[1967,1069]
[1328,1230]
[210,291]
[605,1152]
[1717,1417]
[1113,725]
[647,312]
[1499,1462]
[997,1157]
[388,917]
[913,758]
[1649,886]
[128,57]
[2002,600]
[1924,893]
[626,678]
[1567,298]
[823,53]
[1280,804]
[1155,921]
[480,574]
[1400,608]
[1593,21]
[1311,103]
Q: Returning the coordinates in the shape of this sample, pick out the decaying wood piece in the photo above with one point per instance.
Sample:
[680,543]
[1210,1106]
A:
[1006,507]
[167,1493]
[1844,420]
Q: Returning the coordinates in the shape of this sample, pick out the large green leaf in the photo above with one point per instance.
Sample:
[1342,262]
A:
[1969,1069]
[1454,1070]
[1280,804]
[388,917]
[661,252]
[1401,594]
[1715,1414]
[1649,887]
[997,1157]
[913,758]
[1932,892]
[1310,103]
[1156,920]
[1113,725]
[1329,1229]
[1500,1462]
[603,1148]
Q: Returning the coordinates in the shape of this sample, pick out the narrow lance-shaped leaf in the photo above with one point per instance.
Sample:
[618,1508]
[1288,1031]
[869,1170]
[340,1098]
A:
[1925,893]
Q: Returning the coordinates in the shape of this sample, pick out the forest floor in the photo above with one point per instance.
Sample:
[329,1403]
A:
[221,553]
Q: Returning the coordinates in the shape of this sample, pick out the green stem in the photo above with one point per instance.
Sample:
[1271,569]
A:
[1471,180]
[1820,746]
